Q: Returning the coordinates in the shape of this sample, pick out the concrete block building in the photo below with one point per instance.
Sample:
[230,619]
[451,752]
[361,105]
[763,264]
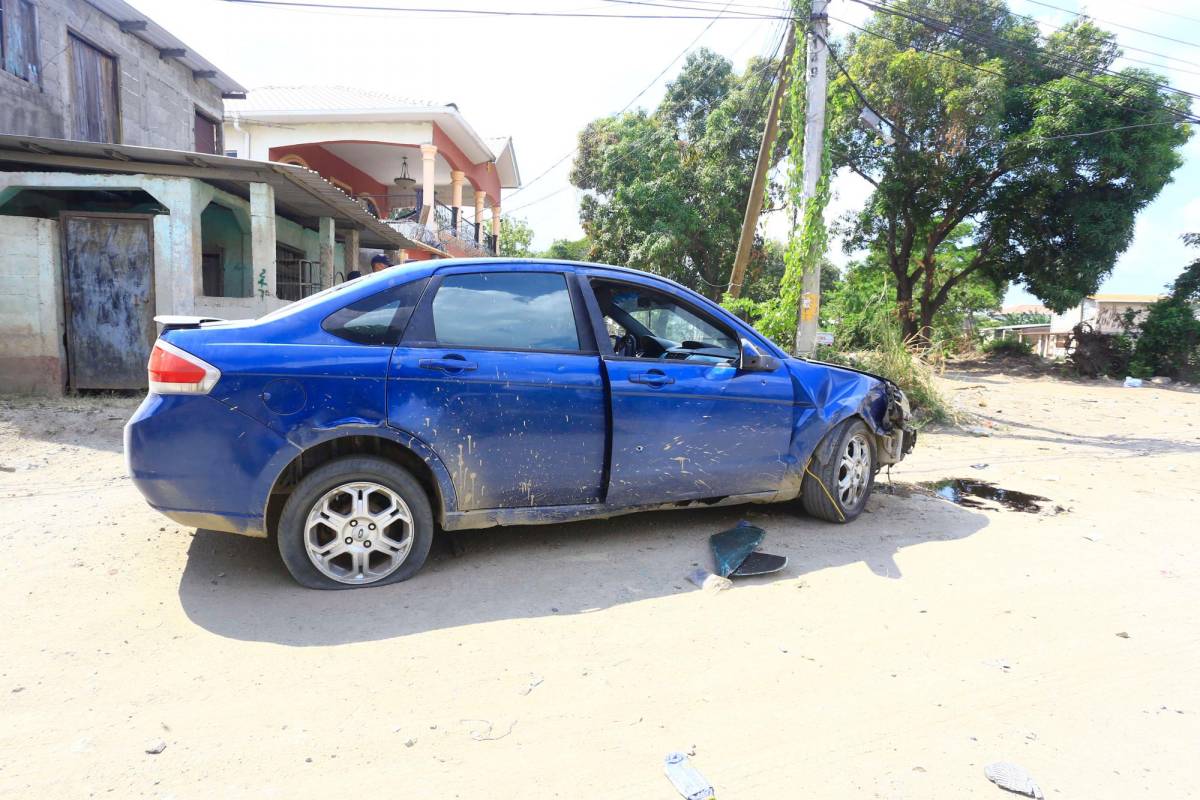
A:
[117,203]
[101,71]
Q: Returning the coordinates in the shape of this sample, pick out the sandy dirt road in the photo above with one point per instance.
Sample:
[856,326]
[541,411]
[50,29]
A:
[893,658]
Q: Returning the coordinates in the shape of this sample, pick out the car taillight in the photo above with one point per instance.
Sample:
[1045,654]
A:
[175,371]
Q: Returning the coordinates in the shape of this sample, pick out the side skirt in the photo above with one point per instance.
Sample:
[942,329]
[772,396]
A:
[549,515]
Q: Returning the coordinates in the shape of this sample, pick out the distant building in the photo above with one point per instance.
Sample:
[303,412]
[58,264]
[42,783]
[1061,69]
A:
[1104,312]
[1026,308]
[419,166]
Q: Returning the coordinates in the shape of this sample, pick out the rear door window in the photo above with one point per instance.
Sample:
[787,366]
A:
[379,318]
[505,311]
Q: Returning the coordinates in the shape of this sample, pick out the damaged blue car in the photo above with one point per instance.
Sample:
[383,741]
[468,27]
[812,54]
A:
[481,392]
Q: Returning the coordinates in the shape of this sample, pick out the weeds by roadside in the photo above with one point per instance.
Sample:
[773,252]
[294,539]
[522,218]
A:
[899,360]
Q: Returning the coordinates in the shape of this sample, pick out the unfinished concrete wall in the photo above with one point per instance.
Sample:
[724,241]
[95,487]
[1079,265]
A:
[157,97]
[32,359]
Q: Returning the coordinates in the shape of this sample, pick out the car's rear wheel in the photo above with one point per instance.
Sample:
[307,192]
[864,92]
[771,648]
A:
[357,521]
[837,490]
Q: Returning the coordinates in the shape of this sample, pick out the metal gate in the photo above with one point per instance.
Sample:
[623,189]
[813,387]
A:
[108,293]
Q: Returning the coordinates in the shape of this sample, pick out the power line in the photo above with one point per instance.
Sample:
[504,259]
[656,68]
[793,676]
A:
[946,27]
[1116,24]
[680,55]
[1124,47]
[960,31]
[909,45]
[482,12]
[762,70]
[1111,130]
[625,108]
[1168,13]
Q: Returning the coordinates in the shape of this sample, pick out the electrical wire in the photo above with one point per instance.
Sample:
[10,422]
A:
[620,159]
[1111,130]
[909,45]
[484,12]
[944,27]
[1060,28]
[647,88]
[1116,24]
[991,40]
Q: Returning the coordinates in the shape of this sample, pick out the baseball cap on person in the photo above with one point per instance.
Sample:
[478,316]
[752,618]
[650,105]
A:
[380,259]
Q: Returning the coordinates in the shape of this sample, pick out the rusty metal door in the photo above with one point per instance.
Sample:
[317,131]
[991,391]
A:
[108,291]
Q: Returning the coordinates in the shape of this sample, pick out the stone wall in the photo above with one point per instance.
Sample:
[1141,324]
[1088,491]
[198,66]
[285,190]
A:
[158,97]
[32,360]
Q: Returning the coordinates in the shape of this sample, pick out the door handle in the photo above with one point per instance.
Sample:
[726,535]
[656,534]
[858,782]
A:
[654,377]
[448,364]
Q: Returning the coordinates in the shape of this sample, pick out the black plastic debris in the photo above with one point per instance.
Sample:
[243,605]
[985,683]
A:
[1014,778]
[732,549]
[760,564]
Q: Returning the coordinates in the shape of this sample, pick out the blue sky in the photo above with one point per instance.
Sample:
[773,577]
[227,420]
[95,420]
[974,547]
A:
[542,80]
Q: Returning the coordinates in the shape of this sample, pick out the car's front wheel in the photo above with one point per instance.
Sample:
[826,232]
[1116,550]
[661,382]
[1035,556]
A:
[837,490]
[357,521]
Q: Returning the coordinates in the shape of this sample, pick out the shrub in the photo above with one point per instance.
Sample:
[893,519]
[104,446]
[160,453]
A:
[1007,347]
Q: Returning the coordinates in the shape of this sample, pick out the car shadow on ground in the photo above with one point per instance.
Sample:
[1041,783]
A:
[237,587]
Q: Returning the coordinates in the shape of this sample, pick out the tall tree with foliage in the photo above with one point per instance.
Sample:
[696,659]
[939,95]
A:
[975,116]
[666,190]
[516,238]
[569,249]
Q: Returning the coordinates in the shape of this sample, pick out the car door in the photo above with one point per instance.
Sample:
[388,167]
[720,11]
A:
[686,422]
[499,373]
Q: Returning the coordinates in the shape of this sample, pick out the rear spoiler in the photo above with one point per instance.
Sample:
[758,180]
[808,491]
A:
[175,322]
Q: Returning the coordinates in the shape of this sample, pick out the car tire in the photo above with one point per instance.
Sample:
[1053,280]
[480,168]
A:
[334,511]
[837,490]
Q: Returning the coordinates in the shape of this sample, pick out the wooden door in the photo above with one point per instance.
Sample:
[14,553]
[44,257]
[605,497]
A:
[108,291]
[95,115]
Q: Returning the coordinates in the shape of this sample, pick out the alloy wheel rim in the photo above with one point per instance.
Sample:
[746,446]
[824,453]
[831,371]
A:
[854,471]
[358,533]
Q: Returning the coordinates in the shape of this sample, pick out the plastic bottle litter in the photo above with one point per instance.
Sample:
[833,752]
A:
[685,778]
[1014,778]
[707,581]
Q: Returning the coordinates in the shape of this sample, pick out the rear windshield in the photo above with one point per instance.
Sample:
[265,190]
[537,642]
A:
[310,301]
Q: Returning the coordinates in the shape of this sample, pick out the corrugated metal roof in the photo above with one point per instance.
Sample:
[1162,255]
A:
[156,35]
[323,98]
[300,194]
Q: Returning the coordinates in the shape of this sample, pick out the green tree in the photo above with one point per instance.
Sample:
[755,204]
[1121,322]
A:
[569,249]
[666,190]
[516,238]
[974,116]
[1169,341]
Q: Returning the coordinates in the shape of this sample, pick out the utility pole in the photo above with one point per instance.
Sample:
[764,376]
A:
[758,183]
[817,78]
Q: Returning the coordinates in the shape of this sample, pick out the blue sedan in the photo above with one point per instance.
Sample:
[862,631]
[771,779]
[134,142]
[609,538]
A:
[472,393]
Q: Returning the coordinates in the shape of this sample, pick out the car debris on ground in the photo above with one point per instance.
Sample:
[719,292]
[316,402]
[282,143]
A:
[735,552]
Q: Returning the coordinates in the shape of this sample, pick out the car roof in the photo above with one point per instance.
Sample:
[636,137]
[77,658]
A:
[503,262]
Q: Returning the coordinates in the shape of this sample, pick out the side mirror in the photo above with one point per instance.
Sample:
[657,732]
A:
[751,359]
